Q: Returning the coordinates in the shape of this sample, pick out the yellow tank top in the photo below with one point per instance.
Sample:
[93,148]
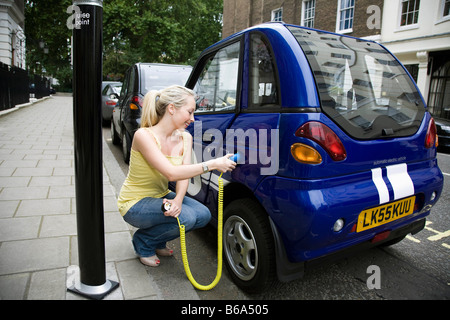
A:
[143,180]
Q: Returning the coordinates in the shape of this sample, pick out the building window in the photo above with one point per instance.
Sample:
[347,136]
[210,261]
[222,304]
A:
[308,13]
[439,94]
[445,9]
[413,70]
[277,14]
[346,10]
[18,48]
[410,12]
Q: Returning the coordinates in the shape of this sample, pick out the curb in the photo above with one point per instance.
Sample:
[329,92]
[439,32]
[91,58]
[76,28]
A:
[24,105]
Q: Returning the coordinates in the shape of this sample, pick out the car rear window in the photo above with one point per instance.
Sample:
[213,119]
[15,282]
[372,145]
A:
[362,87]
[157,77]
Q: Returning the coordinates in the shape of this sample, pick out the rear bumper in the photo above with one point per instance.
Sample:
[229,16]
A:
[303,212]
[288,271]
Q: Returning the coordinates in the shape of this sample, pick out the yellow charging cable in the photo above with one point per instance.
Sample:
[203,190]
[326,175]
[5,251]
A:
[219,245]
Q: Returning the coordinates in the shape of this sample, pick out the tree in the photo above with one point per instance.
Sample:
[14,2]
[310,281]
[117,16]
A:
[48,39]
[133,31]
[158,31]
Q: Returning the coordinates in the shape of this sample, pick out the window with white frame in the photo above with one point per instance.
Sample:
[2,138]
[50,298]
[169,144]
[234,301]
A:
[308,13]
[410,12]
[445,8]
[346,10]
[277,14]
[444,11]
[18,47]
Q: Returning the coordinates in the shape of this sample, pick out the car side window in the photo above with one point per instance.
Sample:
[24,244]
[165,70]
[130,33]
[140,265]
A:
[264,91]
[216,87]
[123,92]
[131,84]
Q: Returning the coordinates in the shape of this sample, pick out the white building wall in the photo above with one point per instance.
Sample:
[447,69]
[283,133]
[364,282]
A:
[5,38]
[412,44]
[12,37]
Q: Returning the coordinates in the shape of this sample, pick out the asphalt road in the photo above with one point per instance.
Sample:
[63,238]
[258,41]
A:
[416,268]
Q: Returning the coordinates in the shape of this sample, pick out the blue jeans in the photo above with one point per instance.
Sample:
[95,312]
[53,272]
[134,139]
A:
[155,229]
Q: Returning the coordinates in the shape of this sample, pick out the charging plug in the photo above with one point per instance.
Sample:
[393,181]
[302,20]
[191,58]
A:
[235,157]
[165,206]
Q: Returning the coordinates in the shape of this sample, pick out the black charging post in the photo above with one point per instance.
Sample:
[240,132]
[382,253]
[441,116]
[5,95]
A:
[87,28]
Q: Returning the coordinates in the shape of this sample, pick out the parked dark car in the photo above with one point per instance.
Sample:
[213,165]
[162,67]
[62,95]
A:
[139,79]
[337,149]
[110,96]
[443,132]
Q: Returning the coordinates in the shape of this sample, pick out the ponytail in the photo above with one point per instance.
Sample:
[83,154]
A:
[155,103]
[150,115]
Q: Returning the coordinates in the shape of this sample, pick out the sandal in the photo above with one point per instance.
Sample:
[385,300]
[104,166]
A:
[166,252]
[152,261]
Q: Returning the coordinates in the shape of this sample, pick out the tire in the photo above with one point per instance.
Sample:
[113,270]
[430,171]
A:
[248,246]
[114,136]
[126,146]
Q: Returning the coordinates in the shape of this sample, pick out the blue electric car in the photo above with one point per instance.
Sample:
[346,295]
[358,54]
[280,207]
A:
[337,148]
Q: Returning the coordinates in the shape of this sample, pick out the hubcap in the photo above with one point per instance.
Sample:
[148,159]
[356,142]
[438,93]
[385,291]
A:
[240,248]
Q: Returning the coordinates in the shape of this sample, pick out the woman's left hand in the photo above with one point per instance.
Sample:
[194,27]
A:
[175,208]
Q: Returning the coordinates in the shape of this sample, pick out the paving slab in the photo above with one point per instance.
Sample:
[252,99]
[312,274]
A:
[38,233]
[34,255]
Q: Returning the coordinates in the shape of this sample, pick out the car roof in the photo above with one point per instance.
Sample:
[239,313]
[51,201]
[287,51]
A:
[274,25]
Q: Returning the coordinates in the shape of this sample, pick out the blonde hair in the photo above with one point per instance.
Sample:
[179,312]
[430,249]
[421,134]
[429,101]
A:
[155,103]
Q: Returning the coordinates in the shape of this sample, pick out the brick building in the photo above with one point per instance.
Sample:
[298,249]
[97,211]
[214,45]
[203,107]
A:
[417,32]
[344,16]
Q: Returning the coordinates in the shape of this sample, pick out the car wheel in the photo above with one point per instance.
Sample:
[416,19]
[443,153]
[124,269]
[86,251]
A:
[126,146]
[114,136]
[248,246]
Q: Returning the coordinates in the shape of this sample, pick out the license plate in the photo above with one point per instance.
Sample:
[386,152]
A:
[378,216]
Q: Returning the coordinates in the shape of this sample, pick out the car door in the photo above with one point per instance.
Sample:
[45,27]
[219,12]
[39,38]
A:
[216,80]
[117,113]
[126,114]
[254,135]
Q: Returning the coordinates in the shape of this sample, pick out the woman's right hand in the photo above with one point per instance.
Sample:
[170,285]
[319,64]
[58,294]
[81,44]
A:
[222,164]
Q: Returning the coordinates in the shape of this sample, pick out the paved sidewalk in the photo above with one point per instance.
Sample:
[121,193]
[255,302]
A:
[38,236]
